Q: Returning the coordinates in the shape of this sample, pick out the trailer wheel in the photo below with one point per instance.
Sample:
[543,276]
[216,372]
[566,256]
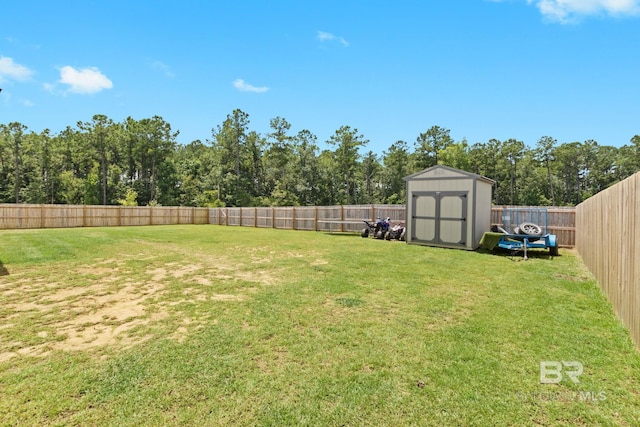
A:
[553,251]
[530,229]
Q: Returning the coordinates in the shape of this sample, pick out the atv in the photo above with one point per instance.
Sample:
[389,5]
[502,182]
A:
[377,228]
[397,232]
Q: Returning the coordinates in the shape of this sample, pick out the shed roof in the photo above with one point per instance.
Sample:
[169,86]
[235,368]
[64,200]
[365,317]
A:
[437,172]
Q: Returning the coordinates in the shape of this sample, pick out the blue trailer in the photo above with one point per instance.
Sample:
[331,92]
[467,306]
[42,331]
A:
[520,242]
[526,229]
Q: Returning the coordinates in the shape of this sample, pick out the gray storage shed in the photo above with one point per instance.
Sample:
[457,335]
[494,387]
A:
[448,207]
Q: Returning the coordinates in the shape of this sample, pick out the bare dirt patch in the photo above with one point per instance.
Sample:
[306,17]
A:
[109,305]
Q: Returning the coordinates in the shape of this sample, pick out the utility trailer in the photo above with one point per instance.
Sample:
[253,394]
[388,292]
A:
[526,229]
[523,242]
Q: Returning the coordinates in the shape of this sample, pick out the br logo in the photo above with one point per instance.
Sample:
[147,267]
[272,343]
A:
[552,372]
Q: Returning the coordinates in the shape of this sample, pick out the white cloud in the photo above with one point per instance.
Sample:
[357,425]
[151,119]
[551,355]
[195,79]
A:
[164,68]
[84,80]
[9,70]
[569,10]
[328,37]
[246,87]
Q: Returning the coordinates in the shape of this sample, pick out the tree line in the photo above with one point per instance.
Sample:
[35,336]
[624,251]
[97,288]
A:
[139,162]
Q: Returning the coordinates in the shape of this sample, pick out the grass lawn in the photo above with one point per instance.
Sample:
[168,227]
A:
[211,325]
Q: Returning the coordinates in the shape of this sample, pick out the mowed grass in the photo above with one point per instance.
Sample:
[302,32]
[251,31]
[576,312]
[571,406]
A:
[210,325]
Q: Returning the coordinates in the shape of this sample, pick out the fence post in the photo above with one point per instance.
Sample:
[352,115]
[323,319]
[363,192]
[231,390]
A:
[342,218]
[315,217]
[293,217]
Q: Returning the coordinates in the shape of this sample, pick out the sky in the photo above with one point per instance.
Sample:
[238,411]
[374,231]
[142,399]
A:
[483,69]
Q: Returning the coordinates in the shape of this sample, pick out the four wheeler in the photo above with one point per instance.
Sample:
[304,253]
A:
[377,229]
[398,232]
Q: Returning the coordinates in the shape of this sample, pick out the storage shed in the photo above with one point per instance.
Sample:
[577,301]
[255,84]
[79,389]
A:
[448,207]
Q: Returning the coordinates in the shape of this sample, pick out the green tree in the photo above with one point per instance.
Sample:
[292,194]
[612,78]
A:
[329,182]
[486,160]
[234,155]
[36,174]
[196,169]
[569,167]
[544,153]
[100,131]
[72,148]
[130,198]
[628,159]
[532,181]
[306,168]
[279,153]
[150,145]
[347,142]
[603,169]
[370,171]
[456,155]
[428,146]
[395,168]
[12,140]
[512,152]
[255,164]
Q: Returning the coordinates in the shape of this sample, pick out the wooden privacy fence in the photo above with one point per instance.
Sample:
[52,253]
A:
[313,218]
[608,240]
[346,218]
[64,216]
[561,220]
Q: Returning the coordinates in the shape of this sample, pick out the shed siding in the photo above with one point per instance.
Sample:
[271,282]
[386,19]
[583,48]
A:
[447,207]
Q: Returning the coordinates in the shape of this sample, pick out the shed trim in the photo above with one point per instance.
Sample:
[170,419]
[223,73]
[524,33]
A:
[467,175]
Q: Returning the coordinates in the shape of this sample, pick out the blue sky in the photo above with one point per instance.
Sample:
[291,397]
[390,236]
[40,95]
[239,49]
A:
[519,69]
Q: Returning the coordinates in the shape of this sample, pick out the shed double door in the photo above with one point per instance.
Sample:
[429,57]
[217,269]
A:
[439,217]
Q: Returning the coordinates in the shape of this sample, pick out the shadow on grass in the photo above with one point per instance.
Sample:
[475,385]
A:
[518,255]
[3,270]
[342,234]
